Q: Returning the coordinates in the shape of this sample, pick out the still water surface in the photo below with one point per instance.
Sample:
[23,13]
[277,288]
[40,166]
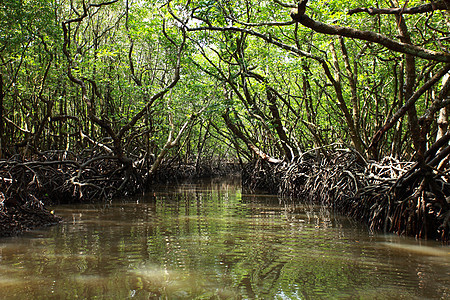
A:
[210,241]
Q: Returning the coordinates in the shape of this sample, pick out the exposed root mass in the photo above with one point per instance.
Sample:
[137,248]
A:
[27,187]
[389,195]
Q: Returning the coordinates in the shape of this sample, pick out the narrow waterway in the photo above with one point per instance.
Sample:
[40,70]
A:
[210,241]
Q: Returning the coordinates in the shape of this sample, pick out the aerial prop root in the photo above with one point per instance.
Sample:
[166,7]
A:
[388,195]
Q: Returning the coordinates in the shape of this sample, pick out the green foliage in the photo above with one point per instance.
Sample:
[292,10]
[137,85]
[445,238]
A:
[125,55]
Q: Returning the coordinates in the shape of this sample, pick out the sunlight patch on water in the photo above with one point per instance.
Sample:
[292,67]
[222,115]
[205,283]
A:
[419,249]
[157,275]
[6,282]
[177,284]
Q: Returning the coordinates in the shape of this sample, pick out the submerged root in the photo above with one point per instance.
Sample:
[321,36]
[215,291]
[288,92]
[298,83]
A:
[260,175]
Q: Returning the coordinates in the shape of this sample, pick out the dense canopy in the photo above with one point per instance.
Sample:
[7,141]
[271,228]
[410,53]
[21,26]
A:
[248,78]
[136,83]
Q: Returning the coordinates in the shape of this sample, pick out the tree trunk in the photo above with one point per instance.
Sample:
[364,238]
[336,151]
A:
[418,139]
[354,135]
[396,150]
[352,79]
[276,122]
[237,132]
[442,121]
[2,133]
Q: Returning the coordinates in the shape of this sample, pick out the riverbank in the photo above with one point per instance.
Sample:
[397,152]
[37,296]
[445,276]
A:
[389,195]
[28,187]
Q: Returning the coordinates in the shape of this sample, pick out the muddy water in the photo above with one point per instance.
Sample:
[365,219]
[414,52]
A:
[210,241]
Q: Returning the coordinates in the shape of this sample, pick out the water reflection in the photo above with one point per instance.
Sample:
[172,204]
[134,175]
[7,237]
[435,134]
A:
[210,241]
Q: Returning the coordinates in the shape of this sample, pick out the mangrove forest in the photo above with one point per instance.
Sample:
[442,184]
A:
[340,104]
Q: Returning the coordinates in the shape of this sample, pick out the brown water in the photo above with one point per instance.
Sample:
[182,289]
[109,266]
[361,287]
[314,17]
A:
[210,241]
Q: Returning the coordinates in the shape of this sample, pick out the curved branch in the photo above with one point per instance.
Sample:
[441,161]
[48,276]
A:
[429,7]
[268,38]
[371,37]
[287,23]
[237,132]
[285,4]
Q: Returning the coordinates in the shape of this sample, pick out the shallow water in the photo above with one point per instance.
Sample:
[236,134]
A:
[210,241]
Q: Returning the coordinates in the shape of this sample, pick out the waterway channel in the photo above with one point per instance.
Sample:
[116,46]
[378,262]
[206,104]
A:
[209,240]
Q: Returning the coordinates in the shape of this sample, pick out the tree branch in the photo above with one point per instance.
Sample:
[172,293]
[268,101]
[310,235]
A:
[371,37]
[429,7]
[158,95]
[172,142]
[409,103]
[237,132]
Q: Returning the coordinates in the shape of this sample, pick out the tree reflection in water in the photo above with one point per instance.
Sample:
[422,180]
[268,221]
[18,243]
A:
[211,241]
